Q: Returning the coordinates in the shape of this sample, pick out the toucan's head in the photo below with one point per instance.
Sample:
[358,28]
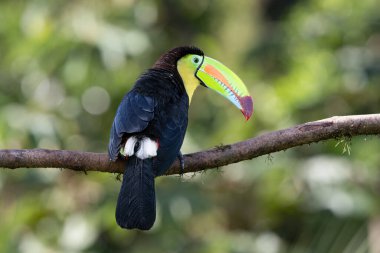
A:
[197,69]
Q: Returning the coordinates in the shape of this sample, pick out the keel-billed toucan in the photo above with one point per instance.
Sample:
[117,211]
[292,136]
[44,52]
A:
[151,121]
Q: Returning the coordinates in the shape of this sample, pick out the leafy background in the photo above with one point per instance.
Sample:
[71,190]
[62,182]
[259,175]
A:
[65,65]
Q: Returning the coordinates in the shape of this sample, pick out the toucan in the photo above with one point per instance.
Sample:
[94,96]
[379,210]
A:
[151,121]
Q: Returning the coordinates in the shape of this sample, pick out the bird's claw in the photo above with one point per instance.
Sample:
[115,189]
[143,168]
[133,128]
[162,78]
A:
[181,162]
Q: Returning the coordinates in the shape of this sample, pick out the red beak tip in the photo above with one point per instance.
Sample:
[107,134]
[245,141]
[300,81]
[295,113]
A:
[247,105]
[246,115]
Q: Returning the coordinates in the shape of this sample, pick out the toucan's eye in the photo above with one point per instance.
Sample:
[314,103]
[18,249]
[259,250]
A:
[196,60]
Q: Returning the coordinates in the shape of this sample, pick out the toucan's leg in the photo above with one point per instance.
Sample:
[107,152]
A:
[181,162]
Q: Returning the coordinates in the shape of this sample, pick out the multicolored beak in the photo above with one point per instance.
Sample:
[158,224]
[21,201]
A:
[221,79]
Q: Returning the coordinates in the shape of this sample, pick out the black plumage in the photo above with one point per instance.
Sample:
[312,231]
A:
[157,108]
[136,204]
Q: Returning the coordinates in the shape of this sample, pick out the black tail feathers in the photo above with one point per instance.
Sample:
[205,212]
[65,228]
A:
[136,205]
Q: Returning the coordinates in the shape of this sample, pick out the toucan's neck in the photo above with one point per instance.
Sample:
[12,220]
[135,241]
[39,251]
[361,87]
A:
[161,84]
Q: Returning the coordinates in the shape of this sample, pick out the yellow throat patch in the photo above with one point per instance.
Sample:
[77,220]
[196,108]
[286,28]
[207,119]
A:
[186,72]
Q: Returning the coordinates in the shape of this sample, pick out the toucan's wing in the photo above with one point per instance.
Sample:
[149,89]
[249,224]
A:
[173,128]
[133,115]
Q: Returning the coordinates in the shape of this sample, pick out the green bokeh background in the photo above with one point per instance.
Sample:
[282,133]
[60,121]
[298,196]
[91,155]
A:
[65,65]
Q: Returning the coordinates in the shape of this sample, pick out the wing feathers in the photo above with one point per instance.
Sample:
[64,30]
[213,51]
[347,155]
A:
[133,115]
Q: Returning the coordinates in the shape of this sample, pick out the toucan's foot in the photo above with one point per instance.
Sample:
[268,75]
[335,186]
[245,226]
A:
[181,162]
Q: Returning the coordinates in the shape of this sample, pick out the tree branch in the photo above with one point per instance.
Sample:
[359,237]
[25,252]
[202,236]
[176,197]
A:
[330,128]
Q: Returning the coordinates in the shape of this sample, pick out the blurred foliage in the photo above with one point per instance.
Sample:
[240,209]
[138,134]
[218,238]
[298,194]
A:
[65,66]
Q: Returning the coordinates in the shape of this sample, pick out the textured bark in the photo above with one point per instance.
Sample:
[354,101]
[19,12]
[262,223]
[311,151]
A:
[334,127]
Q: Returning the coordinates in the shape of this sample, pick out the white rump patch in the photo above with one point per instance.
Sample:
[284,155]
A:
[129,148]
[148,148]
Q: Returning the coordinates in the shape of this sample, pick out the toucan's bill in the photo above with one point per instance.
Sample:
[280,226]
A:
[221,79]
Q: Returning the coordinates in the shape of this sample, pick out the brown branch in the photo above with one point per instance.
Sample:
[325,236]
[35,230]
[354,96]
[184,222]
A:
[335,127]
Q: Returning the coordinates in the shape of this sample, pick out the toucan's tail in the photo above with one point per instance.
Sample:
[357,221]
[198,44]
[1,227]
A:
[136,205]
